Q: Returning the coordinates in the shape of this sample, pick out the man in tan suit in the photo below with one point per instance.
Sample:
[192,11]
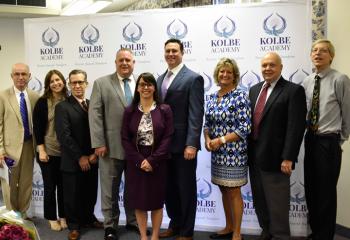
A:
[16,141]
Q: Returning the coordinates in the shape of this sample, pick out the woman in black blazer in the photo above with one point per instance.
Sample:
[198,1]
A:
[48,149]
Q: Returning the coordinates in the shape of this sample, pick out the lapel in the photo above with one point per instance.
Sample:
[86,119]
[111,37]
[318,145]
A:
[273,96]
[178,79]
[31,99]
[76,105]
[114,80]
[14,103]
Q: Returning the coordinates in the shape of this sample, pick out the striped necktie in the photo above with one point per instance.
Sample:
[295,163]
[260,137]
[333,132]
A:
[259,109]
[24,114]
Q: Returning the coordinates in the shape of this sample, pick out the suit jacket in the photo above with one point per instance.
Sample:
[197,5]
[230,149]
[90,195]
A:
[73,134]
[11,125]
[107,105]
[162,120]
[281,128]
[185,96]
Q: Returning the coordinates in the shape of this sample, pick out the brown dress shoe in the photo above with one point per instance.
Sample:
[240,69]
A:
[73,235]
[168,233]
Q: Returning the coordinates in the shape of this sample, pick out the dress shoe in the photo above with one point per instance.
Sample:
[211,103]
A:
[54,225]
[110,234]
[95,224]
[135,228]
[168,233]
[63,223]
[73,235]
[221,236]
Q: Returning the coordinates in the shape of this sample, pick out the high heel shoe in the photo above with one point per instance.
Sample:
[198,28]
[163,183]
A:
[63,223]
[55,226]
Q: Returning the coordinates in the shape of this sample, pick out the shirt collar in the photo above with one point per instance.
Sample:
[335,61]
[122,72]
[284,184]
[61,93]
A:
[323,73]
[176,69]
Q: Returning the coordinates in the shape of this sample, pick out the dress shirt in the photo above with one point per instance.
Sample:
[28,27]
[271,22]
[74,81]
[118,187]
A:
[175,71]
[269,90]
[334,107]
[18,92]
[132,83]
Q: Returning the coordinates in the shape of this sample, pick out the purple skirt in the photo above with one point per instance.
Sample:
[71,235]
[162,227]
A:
[145,190]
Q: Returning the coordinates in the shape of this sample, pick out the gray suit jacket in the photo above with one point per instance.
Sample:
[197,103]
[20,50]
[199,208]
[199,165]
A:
[107,104]
[185,96]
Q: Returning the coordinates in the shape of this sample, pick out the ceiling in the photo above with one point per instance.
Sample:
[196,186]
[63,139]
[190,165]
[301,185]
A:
[53,8]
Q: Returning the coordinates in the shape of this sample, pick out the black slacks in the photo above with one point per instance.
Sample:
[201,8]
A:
[321,172]
[80,194]
[181,194]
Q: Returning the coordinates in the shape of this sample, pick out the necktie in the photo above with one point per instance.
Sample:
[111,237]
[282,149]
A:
[24,114]
[165,83]
[314,111]
[84,105]
[259,108]
[127,91]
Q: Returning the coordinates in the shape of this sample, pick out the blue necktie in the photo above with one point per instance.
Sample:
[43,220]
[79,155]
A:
[127,91]
[24,115]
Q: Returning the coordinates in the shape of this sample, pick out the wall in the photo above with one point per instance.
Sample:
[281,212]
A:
[338,32]
[12,48]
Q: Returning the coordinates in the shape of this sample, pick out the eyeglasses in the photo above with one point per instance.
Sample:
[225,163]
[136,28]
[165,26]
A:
[144,85]
[80,83]
[320,50]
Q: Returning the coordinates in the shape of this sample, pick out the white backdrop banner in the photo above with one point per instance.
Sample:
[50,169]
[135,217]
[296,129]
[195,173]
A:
[243,32]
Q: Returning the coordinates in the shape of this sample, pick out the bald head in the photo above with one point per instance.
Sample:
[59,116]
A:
[271,67]
[20,75]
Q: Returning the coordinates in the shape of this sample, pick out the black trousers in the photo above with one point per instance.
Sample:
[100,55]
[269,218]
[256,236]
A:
[80,194]
[181,194]
[321,172]
[52,178]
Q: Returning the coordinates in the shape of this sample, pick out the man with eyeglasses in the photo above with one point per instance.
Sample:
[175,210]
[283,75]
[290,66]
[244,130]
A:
[110,95]
[16,141]
[78,160]
[328,101]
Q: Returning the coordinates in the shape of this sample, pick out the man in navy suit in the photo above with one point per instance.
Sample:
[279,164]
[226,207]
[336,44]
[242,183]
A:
[79,163]
[183,90]
[278,110]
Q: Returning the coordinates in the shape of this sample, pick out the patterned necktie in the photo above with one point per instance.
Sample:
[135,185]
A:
[259,108]
[127,91]
[84,105]
[314,111]
[24,114]
[165,83]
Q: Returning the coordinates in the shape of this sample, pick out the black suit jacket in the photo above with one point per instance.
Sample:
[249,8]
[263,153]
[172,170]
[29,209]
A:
[281,128]
[73,133]
[185,96]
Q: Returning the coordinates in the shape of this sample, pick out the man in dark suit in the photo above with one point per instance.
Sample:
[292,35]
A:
[278,110]
[183,90]
[78,163]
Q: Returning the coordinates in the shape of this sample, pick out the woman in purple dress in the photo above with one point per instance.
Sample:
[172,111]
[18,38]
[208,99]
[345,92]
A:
[146,136]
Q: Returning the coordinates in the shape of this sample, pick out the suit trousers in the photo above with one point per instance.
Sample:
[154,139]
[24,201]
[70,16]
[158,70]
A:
[271,197]
[18,194]
[181,194]
[79,196]
[111,171]
[322,164]
[52,177]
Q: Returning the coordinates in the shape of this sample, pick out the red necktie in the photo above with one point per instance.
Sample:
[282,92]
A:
[84,105]
[259,108]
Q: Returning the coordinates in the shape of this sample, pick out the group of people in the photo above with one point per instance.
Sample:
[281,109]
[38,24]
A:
[150,129]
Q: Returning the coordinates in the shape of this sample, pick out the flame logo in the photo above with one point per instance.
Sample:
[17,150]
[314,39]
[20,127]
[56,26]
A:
[132,33]
[204,191]
[248,196]
[274,26]
[298,76]
[35,85]
[90,35]
[50,37]
[249,79]
[224,27]
[177,29]
[297,193]
[208,82]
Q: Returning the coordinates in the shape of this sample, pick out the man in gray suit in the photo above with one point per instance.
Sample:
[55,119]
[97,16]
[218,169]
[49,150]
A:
[110,95]
[16,141]
[183,90]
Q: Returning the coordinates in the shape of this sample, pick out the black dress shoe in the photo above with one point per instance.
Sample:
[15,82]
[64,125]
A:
[110,234]
[134,228]
[221,236]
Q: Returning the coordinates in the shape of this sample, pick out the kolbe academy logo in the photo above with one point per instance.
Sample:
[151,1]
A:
[132,34]
[298,207]
[208,81]
[35,85]
[38,187]
[50,38]
[224,28]
[298,76]
[274,25]
[178,29]
[90,36]
[248,206]
[249,79]
[204,191]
